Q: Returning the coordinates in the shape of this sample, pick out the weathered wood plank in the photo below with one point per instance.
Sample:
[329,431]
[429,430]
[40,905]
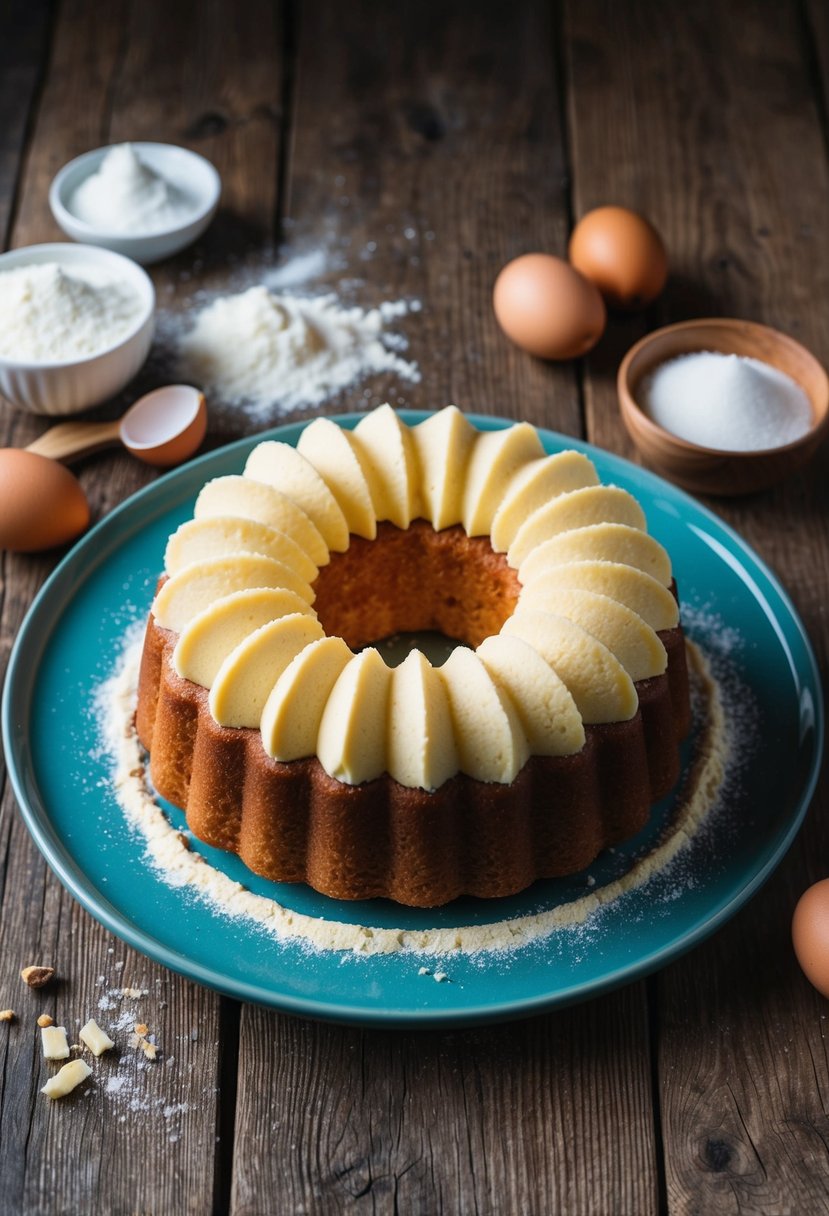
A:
[427,145]
[210,78]
[24,33]
[815,36]
[524,1118]
[707,120]
[426,152]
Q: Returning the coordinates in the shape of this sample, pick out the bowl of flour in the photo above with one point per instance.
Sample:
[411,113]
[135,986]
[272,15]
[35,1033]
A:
[76,324]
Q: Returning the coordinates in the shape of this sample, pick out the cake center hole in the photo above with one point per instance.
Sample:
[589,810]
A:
[416,581]
[437,647]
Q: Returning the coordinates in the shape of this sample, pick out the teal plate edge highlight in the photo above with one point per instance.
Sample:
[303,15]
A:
[490,992]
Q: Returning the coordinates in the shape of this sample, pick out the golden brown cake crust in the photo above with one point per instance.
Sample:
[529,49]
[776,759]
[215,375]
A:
[294,823]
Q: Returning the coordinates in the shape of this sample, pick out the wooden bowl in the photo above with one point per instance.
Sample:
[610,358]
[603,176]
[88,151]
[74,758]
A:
[707,470]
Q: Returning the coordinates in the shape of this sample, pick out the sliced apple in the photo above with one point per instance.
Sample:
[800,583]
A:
[600,686]
[639,591]
[200,584]
[622,630]
[591,505]
[208,639]
[600,542]
[495,459]
[199,539]
[233,495]
[443,444]
[489,737]
[352,738]
[331,450]
[534,485]
[421,747]
[385,449]
[287,470]
[548,713]
[246,677]
[291,718]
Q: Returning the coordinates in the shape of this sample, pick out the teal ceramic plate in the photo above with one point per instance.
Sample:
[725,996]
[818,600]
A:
[68,644]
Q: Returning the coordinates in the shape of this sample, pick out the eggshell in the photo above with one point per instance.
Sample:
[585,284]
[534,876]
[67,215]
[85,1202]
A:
[547,308]
[810,935]
[41,503]
[622,253]
[166,426]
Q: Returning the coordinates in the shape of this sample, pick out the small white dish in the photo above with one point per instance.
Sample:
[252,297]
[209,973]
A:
[73,385]
[190,173]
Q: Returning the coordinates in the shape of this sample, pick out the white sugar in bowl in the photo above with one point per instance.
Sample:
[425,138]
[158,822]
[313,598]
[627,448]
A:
[193,181]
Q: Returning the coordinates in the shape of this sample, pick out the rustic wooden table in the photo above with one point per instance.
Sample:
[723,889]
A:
[438,141]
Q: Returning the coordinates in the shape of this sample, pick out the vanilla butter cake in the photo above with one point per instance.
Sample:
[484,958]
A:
[273,720]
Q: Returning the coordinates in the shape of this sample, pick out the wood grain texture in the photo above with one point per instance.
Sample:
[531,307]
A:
[427,151]
[815,41]
[24,41]
[707,121]
[540,1116]
[209,77]
[144,1138]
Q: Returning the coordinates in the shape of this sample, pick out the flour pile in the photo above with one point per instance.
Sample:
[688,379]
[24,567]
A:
[259,349]
[48,314]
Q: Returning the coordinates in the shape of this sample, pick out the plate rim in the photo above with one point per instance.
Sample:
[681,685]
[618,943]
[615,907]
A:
[19,686]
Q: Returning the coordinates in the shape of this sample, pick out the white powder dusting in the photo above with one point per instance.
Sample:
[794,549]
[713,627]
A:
[270,351]
[330,264]
[179,866]
[727,402]
[49,314]
[125,195]
[300,270]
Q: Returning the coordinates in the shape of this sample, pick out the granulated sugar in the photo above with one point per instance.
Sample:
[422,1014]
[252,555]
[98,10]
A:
[126,195]
[727,402]
[179,866]
[264,350]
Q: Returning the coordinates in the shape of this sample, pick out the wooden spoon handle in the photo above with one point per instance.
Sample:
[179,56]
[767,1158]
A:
[72,439]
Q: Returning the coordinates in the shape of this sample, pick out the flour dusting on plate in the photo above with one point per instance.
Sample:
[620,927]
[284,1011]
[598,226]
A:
[178,865]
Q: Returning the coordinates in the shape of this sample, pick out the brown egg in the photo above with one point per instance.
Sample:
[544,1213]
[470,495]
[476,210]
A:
[810,935]
[547,308]
[41,503]
[622,253]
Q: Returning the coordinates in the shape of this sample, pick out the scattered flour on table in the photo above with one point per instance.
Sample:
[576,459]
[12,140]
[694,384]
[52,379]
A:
[263,350]
[307,275]
[170,855]
[129,1083]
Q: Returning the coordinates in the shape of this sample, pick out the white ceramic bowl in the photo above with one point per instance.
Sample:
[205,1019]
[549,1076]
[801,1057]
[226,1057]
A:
[191,173]
[73,385]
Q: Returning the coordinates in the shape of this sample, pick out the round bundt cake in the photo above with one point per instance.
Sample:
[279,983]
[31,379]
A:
[274,722]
